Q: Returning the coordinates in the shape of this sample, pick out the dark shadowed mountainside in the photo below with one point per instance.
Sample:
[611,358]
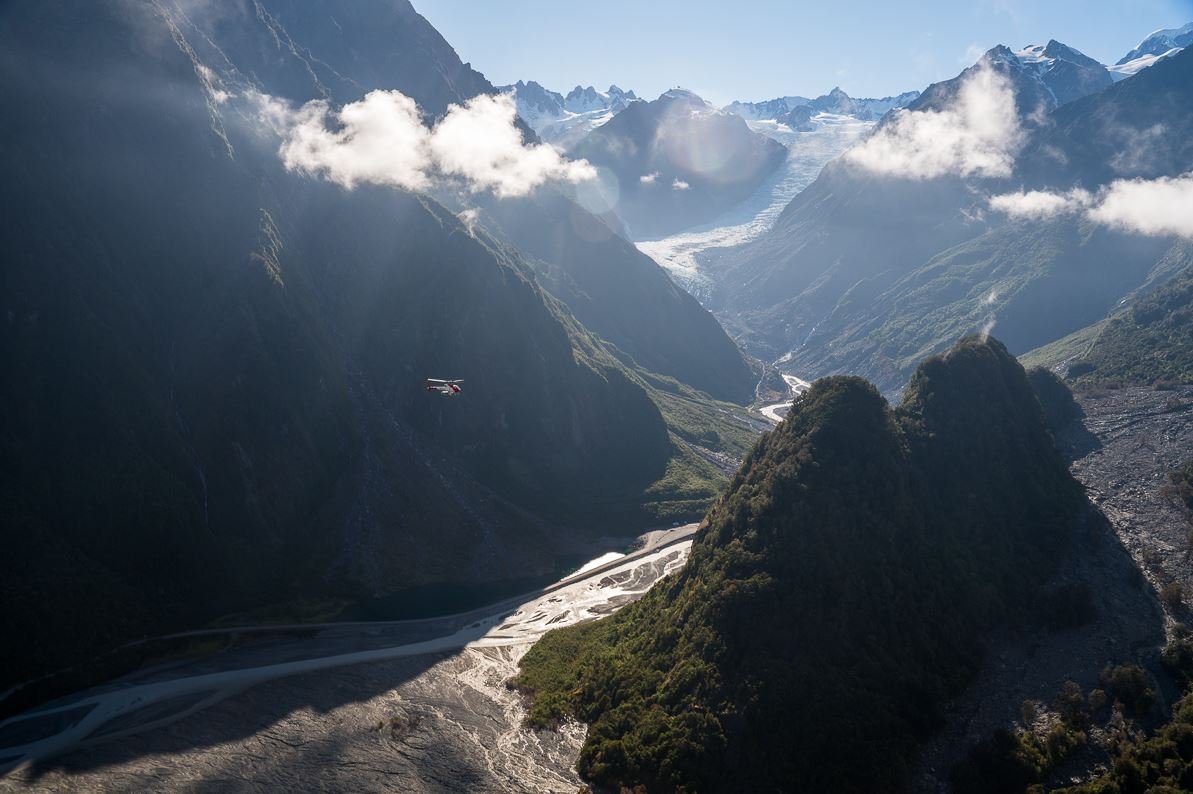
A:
[622,294]
[836,596]
[220,396]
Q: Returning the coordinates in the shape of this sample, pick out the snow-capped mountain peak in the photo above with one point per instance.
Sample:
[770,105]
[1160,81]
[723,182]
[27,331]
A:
[1121,71]
[1062,72]
[1160,42]
[587,99]
[563,120]
[836,101]
[683,95]
[1157,46]
[770,109]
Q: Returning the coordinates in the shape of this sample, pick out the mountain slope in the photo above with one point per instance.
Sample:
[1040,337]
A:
[622,294]
[676,162]
[1150,343]
[324,49]
[292,50]
[835,596]
[868,272]
[221,402]
[1137,128]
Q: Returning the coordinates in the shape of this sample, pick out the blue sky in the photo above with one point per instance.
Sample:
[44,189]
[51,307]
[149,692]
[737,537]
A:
[758,49]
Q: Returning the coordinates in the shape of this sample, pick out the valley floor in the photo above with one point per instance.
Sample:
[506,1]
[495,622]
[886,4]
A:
[429,716]
[444,720]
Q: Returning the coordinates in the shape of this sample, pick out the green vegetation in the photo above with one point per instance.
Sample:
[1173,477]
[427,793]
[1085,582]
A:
[1063,350]
[1128,684]
[1019,760]
[1162,762]
[1150,343]
[1060,409]
[835,596]
[1014,761]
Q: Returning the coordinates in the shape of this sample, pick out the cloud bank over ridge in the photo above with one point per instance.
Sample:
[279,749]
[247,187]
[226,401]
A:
[382,139]
[1157,207]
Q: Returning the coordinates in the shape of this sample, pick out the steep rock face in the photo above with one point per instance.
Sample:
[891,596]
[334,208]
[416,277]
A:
[845,577]
[677,162]
[221,398]
[325,50]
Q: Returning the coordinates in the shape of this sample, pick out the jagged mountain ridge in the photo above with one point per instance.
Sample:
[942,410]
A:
[564,120]
[835,101]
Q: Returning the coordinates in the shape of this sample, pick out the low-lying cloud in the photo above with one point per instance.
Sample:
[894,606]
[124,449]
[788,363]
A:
[978,135]
[1157,207]
[382,139]
[1041,204]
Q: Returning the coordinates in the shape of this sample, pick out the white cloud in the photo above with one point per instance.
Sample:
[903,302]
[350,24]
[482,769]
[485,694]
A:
[649,179]
[381,139]
[1156,207]
[979,135]
[679,184]
[479,142]
[1039,204]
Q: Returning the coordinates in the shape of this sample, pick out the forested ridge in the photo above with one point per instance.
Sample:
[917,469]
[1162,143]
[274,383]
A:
[837,593]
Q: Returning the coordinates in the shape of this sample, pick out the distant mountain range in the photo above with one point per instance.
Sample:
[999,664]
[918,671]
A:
[890,254]
[564,120]
[835,101]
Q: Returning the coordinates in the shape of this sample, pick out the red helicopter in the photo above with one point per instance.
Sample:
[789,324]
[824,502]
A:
[446,387]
